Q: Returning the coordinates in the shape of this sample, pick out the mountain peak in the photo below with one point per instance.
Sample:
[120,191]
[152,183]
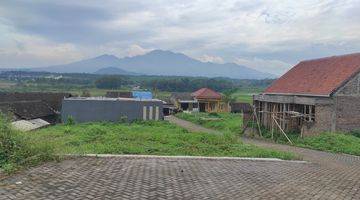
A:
[160,52]
[106,56]
[158,62]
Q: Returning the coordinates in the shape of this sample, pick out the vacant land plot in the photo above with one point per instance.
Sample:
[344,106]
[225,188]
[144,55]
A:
[151,138]
[226,122]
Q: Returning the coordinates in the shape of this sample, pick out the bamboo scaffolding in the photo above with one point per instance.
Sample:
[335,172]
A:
[283,132]
[257,121]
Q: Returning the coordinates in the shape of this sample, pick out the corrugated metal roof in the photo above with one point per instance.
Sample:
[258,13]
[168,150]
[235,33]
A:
[28,125]
[108,99]
[319,77]
[142,95]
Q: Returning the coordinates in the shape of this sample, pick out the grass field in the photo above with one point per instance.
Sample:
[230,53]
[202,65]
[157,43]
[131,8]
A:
[151,138]
[225,122]
[23,149]
[332,142]
[244,97]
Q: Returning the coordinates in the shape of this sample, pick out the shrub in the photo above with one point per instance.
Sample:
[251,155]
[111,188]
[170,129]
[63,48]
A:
[214,114]
[123,119]
[70,120]
[16,150]
[355,133]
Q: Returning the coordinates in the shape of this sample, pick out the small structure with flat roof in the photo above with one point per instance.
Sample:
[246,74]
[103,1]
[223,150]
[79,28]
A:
[89,109]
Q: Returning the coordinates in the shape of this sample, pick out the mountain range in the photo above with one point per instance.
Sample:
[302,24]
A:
[157,62]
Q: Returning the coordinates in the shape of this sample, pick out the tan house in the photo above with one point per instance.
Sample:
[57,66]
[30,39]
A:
[202,100]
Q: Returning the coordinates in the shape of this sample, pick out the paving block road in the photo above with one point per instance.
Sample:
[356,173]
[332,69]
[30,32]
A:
[324,176]
[180,178]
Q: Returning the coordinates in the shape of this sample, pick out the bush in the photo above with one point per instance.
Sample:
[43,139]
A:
[70,121]
[17,151]
[355,133]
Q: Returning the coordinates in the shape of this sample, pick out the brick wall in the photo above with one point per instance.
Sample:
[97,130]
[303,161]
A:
[351,88]
[323,120]
[347,113]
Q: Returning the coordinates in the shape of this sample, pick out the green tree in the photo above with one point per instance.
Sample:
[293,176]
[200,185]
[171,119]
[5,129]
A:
[228,96]
[111,82]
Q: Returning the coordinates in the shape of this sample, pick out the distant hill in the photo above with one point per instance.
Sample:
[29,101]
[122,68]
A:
[84,66]
[159,62]
[114,71]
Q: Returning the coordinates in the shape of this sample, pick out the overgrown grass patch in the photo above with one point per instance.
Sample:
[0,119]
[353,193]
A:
[17,150]
[347,143]
[150,138]
[226,122]
[333,142]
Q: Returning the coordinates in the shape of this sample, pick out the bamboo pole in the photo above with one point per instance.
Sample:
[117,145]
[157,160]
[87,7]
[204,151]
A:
[282,131]
[257,121]
[272,123]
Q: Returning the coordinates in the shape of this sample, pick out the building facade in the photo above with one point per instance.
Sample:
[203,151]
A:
[315,96]
[202,100]
[90,109]
[32,105]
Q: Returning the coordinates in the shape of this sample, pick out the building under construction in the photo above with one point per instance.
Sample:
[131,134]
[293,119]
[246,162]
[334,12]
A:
[314,96]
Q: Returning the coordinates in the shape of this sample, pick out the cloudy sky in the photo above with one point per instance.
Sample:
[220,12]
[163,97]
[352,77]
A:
[267,35]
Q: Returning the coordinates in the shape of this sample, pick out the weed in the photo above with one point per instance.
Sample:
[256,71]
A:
[17,151]
[147,137]
[70,120]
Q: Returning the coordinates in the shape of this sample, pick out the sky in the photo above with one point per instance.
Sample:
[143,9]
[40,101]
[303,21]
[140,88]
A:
[269,35]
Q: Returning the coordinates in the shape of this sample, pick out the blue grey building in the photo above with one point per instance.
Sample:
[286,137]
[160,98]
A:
[87,109]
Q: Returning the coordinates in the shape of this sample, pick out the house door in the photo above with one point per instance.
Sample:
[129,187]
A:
[202,107]
[184,106]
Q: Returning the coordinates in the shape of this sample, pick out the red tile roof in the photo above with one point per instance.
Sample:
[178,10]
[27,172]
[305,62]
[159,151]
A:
[317,77]
[206,93]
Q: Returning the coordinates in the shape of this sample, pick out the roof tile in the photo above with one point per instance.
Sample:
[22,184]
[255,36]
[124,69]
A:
[206,93]
[317,77]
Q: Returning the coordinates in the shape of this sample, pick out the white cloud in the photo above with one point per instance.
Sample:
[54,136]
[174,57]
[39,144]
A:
[268,30]
[209,58]
[136,50]
[276,67]
[22,50]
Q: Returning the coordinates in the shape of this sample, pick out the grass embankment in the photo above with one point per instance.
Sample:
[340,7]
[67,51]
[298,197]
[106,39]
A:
[225,122]
[348,143]
[150,138]
[332,142]
[17,150]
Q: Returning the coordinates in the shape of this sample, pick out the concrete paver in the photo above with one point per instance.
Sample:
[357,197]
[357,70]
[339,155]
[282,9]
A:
[179,178]
[325,176]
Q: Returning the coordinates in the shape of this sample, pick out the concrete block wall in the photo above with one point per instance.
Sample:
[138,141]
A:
[351,88]
[324,120]
[347,113]
[111,110]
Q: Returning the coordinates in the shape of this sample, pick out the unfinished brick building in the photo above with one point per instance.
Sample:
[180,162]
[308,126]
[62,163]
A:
[314,96]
